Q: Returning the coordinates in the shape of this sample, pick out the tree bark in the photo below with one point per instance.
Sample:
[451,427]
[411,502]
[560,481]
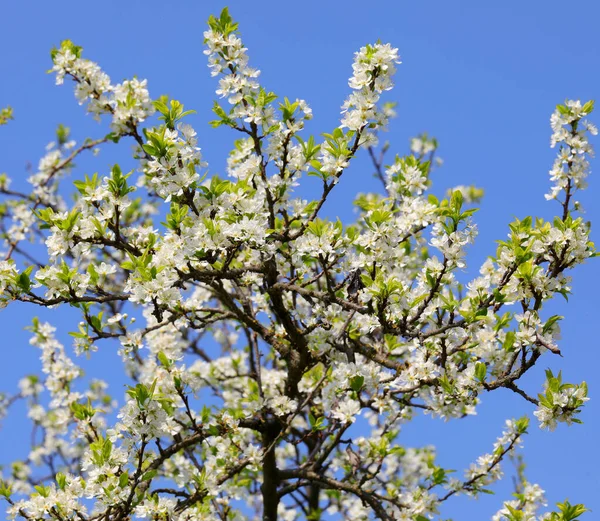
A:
[270,472]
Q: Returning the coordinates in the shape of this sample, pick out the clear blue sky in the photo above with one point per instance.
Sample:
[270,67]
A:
[483,77]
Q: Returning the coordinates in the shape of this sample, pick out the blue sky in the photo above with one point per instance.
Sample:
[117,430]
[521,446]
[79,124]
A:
[483,77]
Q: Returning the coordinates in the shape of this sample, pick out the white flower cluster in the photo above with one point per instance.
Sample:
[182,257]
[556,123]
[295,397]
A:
[50,167]
[528,502]
[487,469]
[8,273]
[288,156]
[62,281]
[58,367]
[174,170]
[571,167]
[227,57]
[129,102]
[560,402]
[374,67]
[64,500]
[452,245]
[406,177]
[423,145]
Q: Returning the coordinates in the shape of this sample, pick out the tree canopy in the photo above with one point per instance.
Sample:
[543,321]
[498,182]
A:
[274,354]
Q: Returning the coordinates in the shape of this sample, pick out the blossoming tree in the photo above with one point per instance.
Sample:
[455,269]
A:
[276,354]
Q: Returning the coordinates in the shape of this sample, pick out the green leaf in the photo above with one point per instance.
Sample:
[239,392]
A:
[5,489]
[23,279]
[61,480]
[480,371]
[124,479]
[6,114]
[570,512]
[106,449]
[166,362]
[62,134]
[549,325]
[588,107]
[521,424]
[205,415]
[357,382]
[149,475]
[509,341]
[42,490]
